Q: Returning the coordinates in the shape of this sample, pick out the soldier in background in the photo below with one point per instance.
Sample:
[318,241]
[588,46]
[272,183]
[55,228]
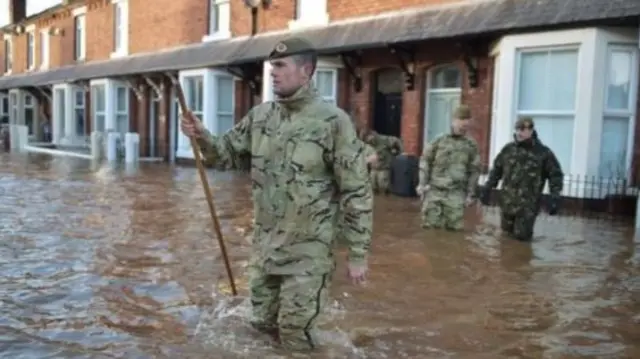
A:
[524,166]
[386,147]
[449,171]
[307,165]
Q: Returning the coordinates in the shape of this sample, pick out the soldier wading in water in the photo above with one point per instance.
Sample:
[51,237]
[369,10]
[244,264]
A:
[524,166]
[306,163]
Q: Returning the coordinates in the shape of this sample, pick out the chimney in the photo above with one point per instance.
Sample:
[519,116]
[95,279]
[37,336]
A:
[17,10]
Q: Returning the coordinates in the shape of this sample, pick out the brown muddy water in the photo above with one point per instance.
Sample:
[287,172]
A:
[100,262]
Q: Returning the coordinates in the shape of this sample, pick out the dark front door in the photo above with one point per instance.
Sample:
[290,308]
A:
[388,113]
[387,100]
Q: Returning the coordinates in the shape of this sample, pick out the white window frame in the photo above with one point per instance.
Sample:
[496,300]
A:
[31,47]
[70,134]
[329,63]
[16,113]
[110,86]
[44,48]
[209,106]
[33,106]
[309,13]
[127,107]
[80,22]
[592,43]
[76,107]
[123,48]
[223,19]
[8,53]
[630,112]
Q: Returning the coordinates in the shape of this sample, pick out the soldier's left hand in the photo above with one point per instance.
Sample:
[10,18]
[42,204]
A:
[372,160]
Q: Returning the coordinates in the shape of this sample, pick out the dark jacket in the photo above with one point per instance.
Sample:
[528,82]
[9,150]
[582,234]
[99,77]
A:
[524,167]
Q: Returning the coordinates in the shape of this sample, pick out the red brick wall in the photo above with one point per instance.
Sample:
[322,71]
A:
[429,55]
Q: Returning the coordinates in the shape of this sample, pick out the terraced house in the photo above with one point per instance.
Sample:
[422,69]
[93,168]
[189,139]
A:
[400,67]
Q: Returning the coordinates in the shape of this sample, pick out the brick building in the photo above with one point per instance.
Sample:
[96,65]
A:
[399,67]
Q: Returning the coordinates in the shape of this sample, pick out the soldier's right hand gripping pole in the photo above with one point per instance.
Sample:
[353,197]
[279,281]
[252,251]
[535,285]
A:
[207,190]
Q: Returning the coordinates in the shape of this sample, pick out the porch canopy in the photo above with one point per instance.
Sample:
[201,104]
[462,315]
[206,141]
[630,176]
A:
[465,18]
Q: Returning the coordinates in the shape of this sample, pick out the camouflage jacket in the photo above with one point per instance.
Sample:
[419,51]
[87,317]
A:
[451,162]
[306,163]
[524,168]
[387,147]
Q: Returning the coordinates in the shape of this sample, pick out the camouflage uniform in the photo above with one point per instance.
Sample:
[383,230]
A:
[306,163]
[523,168]
[387,147]
[449,167]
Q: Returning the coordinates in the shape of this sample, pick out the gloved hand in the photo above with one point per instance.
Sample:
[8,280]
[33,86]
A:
[553,206]
[485,195]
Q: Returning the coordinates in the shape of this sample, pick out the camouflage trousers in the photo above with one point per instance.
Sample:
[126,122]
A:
[380,180]
[443,209]
[519,225]
[288,306]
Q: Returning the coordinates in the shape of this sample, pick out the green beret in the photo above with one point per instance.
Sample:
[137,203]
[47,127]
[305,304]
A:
[291,46]
[463,112]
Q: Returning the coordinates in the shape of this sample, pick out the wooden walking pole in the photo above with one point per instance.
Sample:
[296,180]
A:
[207,190]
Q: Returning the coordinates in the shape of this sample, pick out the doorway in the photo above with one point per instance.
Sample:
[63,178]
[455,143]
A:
[444,92]
[387,102]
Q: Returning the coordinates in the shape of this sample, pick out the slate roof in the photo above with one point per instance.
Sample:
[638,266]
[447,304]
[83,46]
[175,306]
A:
[465,18]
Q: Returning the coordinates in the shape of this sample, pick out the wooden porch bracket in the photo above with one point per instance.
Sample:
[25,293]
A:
[352,61]
[136,89]
[44,94]
[83,84]
[406,56]
[157,89]
[172,77]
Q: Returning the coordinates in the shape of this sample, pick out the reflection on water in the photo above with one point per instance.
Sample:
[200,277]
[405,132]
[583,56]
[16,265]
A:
[122,263]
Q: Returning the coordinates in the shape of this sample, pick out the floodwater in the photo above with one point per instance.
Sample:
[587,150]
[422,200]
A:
[99,262]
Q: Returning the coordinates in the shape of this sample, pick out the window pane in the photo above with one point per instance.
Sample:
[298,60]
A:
[448,77]
[547,80]
[225,123]
[619,79]
[121,99]
[100,122]
[28,119]
[613,147]
[225,94]
[79,113]
[98,95]
[194,93]
[122,123]
[28,100]
[323,81]
[79,98]
[557,134]
[214,17]
[4,108]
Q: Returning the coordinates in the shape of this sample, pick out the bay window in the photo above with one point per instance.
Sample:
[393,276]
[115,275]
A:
[210,96]
[547,93]
[580,87]
[30,113]
[326,82]
[68,121]
[110,106]
[619,110]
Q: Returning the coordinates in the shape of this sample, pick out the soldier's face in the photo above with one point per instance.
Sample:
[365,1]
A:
[288,76]
[523,133]
[461,126]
